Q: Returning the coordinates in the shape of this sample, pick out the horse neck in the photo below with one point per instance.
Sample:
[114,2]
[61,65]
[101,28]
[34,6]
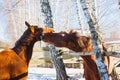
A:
[73,42]
[62,40]
[55,39]
[24,48]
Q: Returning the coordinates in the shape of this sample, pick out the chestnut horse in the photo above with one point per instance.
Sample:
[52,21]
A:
[77,43]
[14,62]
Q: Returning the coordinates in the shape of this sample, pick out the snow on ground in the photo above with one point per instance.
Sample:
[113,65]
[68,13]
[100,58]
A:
[50,73]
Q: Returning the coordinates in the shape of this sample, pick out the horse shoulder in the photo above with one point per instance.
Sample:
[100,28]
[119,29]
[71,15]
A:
[17,65]
[12,64]
[4,62]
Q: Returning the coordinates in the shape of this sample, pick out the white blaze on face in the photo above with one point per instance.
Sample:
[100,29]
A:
[62,35]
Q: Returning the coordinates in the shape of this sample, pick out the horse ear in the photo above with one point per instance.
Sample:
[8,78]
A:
[27,24]
[32,29]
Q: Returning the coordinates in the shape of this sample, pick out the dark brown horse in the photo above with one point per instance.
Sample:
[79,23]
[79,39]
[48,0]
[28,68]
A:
[77,43]
[14,62]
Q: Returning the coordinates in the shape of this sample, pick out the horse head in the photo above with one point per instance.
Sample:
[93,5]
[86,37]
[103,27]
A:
[38,32]
[24,45]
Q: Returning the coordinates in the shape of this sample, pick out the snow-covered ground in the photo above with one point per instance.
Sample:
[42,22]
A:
[50,73]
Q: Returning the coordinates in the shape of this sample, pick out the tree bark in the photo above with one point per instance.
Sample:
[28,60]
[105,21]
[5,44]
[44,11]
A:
[119,3]
[97,48]
[58,62]
[47,14]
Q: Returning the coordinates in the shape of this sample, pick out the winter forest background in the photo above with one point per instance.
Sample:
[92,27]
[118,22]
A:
[13,14]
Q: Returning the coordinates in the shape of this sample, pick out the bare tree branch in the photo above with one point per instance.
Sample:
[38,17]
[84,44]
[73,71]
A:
[113,54]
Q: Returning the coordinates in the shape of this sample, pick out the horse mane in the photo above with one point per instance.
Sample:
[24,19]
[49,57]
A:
[71,35]
[24,40]
[77,39]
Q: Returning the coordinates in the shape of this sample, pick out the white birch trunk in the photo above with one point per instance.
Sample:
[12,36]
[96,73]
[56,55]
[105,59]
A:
[119,3]
[58,62]
[97,48]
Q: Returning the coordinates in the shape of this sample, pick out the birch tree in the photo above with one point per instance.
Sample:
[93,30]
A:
[119,3]
[58,62]
[96,44]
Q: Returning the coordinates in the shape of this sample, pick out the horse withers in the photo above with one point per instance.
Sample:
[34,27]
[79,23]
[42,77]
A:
[14,62]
